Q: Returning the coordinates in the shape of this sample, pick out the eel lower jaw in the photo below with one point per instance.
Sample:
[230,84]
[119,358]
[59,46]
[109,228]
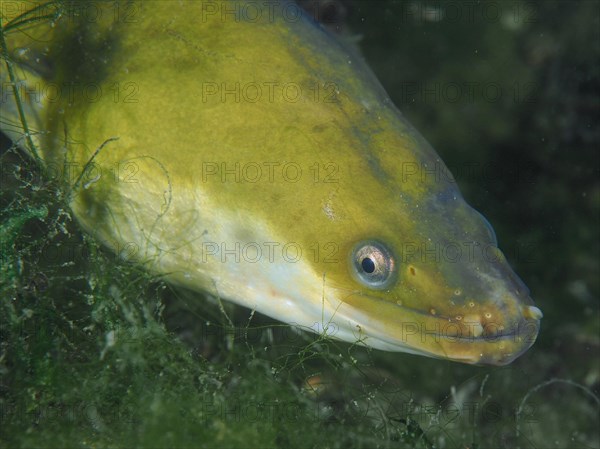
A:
[402,329]
[500,349]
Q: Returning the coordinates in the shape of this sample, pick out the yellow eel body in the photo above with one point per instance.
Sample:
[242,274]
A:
[240,150]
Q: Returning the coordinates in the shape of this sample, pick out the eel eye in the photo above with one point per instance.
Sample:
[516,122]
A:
[373,265]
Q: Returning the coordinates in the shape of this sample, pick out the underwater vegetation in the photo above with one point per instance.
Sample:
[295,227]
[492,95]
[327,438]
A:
[97,352]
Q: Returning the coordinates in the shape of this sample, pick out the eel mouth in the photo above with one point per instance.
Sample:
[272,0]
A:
[495,337]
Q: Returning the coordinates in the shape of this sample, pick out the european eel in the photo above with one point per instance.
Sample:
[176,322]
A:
[245,152]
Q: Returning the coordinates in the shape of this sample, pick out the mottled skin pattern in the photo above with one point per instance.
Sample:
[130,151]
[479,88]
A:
[325,161]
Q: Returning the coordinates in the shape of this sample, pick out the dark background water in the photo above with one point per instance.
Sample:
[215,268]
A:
[509,95]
